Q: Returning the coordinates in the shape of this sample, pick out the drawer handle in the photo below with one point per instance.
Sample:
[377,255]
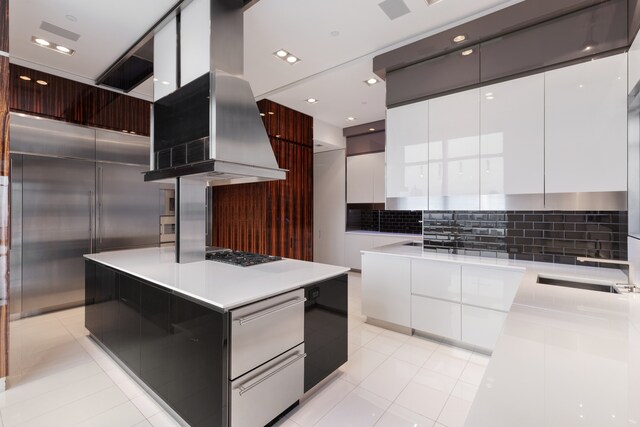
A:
[272,310]
[243,389]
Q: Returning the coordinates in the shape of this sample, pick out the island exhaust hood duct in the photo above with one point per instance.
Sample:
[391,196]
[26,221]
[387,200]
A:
[207,125]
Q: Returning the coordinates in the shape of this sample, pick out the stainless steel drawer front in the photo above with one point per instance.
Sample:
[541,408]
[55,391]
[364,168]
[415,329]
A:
[259,396]
[264,330]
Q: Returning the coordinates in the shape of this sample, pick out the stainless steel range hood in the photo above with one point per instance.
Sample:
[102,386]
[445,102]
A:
[209,127]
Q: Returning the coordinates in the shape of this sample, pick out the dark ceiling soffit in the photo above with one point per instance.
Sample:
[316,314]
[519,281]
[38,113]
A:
[139,45]
[510,19]
[379,126]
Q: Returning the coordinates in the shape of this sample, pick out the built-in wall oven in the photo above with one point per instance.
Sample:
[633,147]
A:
[266,369]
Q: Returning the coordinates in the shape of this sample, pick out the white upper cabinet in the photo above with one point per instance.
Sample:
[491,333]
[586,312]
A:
[586,129]
[407,139]
[512,144]
[454,150]
[164,60]
[365,178]
[194,41]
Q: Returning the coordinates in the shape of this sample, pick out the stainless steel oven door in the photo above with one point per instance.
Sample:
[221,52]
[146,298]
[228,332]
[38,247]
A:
[264,393]
[264,330]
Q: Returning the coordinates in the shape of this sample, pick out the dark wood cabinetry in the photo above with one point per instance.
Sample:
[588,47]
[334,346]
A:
[273,217]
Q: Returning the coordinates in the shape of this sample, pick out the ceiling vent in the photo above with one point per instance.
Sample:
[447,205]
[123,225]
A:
[59,31]
[394,8]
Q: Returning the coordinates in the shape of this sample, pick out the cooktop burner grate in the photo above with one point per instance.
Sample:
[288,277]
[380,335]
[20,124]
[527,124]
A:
[241,258]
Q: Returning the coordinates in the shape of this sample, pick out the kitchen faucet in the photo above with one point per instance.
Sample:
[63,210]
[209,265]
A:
[631,270]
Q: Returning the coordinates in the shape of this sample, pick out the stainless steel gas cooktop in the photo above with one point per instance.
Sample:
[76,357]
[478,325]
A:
[240,258]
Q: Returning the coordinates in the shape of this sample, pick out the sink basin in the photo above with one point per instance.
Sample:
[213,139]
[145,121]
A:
[413,244]
[610,289]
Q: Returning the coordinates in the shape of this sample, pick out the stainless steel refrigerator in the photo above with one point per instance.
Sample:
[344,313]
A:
[74,190]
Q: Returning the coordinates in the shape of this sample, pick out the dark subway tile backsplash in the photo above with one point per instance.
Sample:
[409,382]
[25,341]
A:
[547,236]
[401,222]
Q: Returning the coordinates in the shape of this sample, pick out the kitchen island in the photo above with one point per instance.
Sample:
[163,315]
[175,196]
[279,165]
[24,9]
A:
[560,356]
[218,344]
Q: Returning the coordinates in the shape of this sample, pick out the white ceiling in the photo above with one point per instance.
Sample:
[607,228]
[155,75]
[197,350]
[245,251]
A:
[332,69]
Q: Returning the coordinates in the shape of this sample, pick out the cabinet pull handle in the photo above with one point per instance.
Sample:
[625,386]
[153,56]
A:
[260,314]
[243,389]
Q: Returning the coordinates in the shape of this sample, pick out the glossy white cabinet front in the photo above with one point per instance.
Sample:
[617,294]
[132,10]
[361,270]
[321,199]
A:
[454,150]
[435,317]
[365,178]
[353,244]
[481,326]
[436,279]
[407,152]
[164,60]
[586,127]
[512,142]
[490,287]
[195,53]
[386,288]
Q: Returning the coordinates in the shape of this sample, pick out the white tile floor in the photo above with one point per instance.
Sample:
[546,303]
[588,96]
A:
[59,377]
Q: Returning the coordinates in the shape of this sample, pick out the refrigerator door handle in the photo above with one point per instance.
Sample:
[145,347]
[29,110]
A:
[100,194]
[90,221]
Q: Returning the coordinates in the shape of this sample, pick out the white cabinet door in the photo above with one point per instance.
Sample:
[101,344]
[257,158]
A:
[195,52]
[454,151]
[586,127]
[353,244]
[386,288]
[436,279]
[377,170]
[359,179]
[490,287]
[481,326]
[512,144]
[436,317]
[165,60]
[407,139]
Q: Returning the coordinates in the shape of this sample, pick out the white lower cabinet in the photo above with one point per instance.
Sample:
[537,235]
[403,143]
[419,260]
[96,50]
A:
[353,244]
[436,279]
[386,288]
[436,317]
[490,287]
[481,327]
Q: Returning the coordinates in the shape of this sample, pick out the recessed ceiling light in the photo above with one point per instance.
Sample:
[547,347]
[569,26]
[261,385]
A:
[372,129]
[42,82]
[164,82]
[271,113]
[132,132]
[125,131]
[488,94]
[262,114]
[335,33]
[351,119]
[155,80]
[22,115]
[286,56]
[460,38]
[277,136]
[371,81]
[38,41]
[467,52]
[490,98]
[26,78]
[312,100]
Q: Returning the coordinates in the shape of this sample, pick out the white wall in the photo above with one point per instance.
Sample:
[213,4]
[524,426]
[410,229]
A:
[329,137]
[329,198]
[329,207]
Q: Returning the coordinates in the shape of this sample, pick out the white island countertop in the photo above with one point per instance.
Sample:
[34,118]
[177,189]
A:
[220,285]
[566,357]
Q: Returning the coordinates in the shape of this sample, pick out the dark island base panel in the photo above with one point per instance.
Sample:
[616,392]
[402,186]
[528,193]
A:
[179,348]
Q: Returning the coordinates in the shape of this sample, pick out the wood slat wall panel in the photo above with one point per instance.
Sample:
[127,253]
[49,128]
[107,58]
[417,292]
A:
[4,25]
[274,217]
[75,102]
